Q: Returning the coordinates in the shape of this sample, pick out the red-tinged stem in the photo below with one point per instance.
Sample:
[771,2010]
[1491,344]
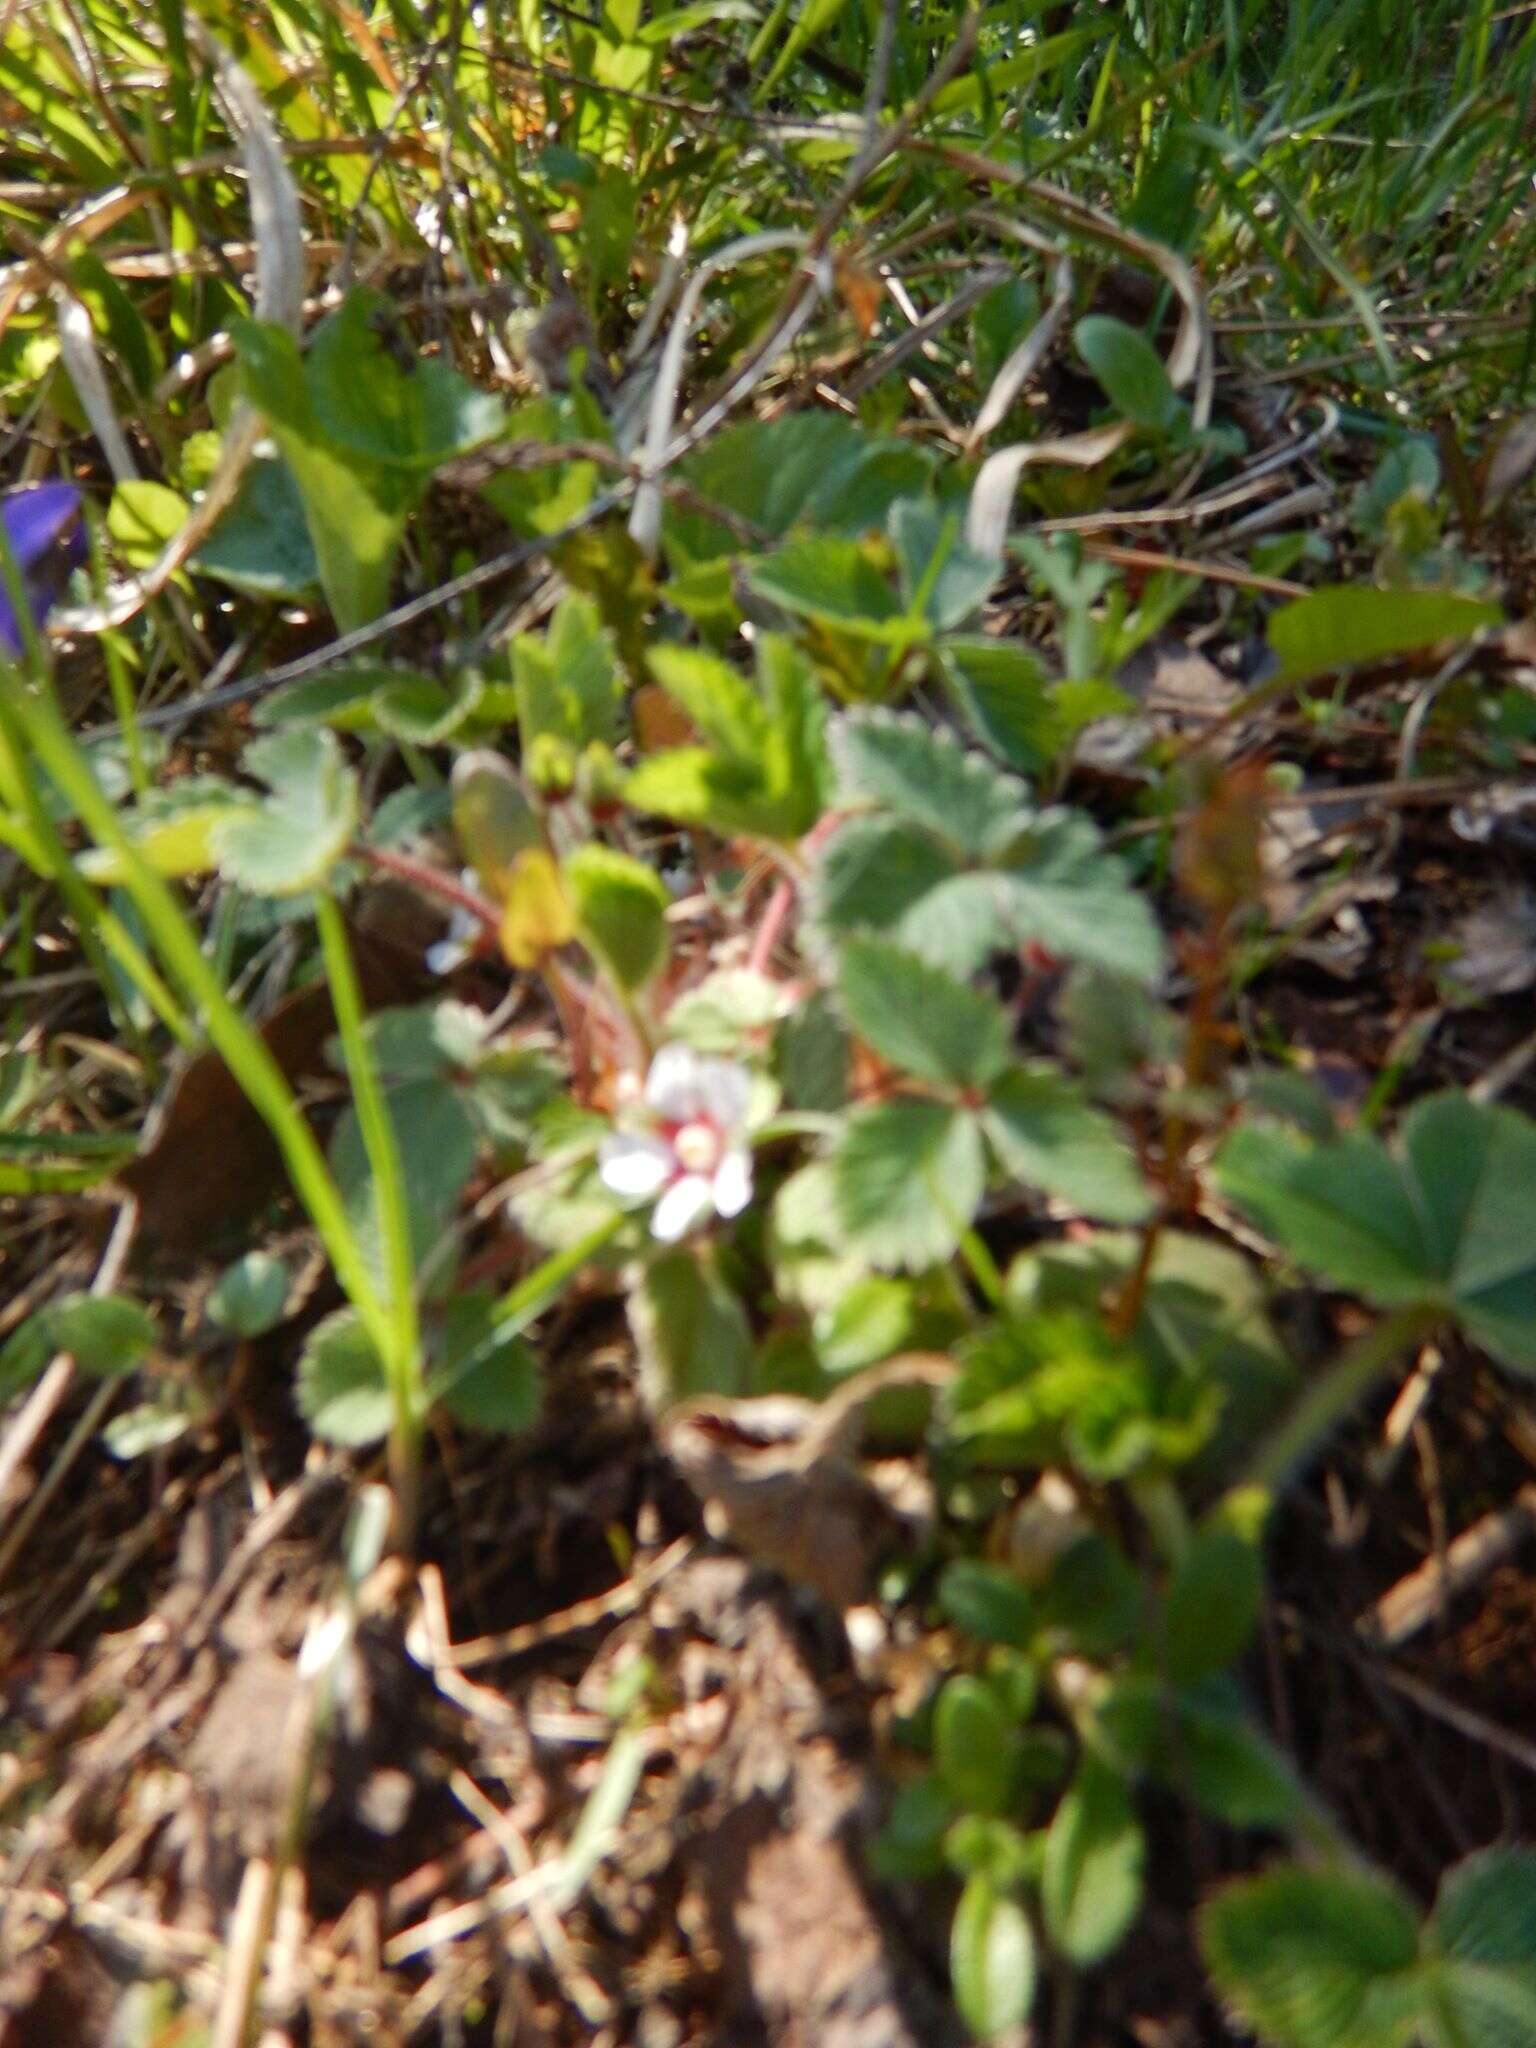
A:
[771,930]
[421,874]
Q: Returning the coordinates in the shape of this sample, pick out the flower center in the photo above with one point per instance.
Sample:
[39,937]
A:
[697,1147]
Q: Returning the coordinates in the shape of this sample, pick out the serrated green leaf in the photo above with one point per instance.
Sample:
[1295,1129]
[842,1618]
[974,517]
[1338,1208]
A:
[1440,1220]
[620,906]
[567,681]
[342,1392]
[920,1019]
[1315,1957]
[728,712]
[1130,370]
[908,1178]
[1001,692]
[991,1960]
[288,843]
[1072,898]
[1048,1135]
[1342,627]
[1091,1880]
[248,1297]
[105,1334]
[833,581]
[942,580]
[903,764]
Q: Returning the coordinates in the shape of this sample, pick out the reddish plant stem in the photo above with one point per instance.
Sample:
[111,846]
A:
[434,881]
[769,932]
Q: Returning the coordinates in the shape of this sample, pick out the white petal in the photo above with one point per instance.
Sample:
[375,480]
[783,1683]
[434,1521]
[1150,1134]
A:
[674,1086]
[687,1202]
[446,955]
[727,1088]
[635,1165]
[733,1182]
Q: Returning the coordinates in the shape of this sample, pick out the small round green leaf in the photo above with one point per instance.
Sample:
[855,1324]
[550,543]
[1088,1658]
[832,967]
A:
[342,1391]
[248,1297]
[105,1334]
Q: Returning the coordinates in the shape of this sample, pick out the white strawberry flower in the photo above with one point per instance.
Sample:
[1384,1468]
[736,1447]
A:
[691,1157]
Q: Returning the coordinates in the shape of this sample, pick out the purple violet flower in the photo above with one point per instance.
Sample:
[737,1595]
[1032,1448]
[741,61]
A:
[45,536]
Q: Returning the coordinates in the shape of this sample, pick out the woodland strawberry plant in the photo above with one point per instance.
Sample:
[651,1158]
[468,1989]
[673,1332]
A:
[782,980]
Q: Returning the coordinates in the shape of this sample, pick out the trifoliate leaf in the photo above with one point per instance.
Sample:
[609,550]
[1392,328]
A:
[1441,1219]
[288,843]
[1069,896]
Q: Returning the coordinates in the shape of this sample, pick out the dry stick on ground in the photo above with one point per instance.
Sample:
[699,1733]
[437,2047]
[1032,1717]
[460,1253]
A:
[41,1405]
[1409,1606]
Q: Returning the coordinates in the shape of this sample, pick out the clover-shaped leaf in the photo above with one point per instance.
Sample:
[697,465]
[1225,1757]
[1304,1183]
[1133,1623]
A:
[1441,1220]
[289,842]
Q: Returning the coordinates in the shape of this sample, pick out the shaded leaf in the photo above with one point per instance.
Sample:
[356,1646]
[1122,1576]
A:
[105,1334]
[1315,1957]
[248,1297]
[1350,624]
[1441,1219]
